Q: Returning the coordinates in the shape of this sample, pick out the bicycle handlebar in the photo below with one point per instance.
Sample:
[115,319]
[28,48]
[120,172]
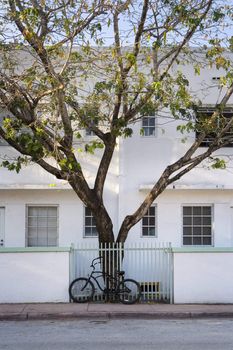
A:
[98,262]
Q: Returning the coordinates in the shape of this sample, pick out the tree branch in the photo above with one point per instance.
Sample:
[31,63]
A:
[186,39]
[104,167]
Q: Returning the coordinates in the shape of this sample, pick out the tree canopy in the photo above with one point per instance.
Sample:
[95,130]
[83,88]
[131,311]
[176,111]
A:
[102,65]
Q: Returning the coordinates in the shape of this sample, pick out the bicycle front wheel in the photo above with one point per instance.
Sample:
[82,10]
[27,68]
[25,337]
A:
[129,291]
[81,290]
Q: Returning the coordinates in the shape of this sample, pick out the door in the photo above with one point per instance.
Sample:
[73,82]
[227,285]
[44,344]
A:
[2,226]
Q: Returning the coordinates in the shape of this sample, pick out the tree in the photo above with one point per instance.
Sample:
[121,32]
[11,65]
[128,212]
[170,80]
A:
[44,44]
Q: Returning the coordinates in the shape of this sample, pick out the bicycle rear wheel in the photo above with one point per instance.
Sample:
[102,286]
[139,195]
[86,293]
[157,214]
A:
[129,291]
[81,290]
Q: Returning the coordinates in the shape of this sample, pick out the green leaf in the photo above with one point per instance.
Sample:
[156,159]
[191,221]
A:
[218,163]
[128,132]
[142,132]
[217,15]
[197,69]
[131,58]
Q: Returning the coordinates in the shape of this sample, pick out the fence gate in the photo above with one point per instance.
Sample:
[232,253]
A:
[149,264]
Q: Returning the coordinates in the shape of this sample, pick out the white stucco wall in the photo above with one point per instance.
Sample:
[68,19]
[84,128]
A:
[169,214]
[33,176]
[70,214]
[34,277]
[203,277]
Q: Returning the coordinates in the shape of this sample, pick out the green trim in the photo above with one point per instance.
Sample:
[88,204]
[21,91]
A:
[34,250]
[203,250]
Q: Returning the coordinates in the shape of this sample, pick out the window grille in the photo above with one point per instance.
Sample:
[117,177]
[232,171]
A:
[88,131]
[149,223]
[202,116]
[90,229]
[148,126]
[42,226]
[197,225]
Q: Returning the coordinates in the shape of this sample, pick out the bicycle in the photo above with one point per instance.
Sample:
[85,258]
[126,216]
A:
[81,290]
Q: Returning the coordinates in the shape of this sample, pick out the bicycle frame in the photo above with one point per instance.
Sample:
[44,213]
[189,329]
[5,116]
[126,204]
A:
[105,276]
[113,280]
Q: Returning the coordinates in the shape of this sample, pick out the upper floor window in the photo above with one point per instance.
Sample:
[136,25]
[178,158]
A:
[88,130]
[197,225]
[90,229]
[202,117]
[149,223]
[148,125]
[42,226]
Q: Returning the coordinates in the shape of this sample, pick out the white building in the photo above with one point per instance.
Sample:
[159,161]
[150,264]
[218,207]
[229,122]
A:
[196,210]
[36,210]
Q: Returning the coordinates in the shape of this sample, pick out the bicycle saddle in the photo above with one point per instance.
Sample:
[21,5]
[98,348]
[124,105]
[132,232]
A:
[121,273]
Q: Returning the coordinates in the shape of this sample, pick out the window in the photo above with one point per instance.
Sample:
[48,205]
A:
[90,229]
[206,112]
[42,226]
[88,131]
[148,222]
[197,225]
[148,126]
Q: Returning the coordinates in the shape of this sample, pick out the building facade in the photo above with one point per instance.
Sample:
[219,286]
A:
[38,210]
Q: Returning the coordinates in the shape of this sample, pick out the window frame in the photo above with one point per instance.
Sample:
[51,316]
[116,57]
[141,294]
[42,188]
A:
[154,205]
[84,224]
[148,127]
[210,110]
[88,131]
[26,223]
[211,205]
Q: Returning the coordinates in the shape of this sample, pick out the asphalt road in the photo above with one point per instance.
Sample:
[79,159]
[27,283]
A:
[202,334]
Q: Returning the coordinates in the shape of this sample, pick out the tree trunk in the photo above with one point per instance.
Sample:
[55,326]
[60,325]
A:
[104,225]
[106,243]
[111,264]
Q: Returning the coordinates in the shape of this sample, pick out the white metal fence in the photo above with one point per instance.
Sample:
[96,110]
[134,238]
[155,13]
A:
[149,264]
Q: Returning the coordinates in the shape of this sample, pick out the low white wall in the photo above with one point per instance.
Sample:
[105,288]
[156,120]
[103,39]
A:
[203,277]
[27,277]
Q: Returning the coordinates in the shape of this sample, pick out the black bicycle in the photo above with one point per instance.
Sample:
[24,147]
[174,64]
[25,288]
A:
[127,291]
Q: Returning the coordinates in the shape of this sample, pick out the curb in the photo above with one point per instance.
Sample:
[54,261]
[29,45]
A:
[13,317]
[113,315]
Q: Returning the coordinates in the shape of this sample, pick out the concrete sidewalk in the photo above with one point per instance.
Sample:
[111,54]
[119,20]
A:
[110,311]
